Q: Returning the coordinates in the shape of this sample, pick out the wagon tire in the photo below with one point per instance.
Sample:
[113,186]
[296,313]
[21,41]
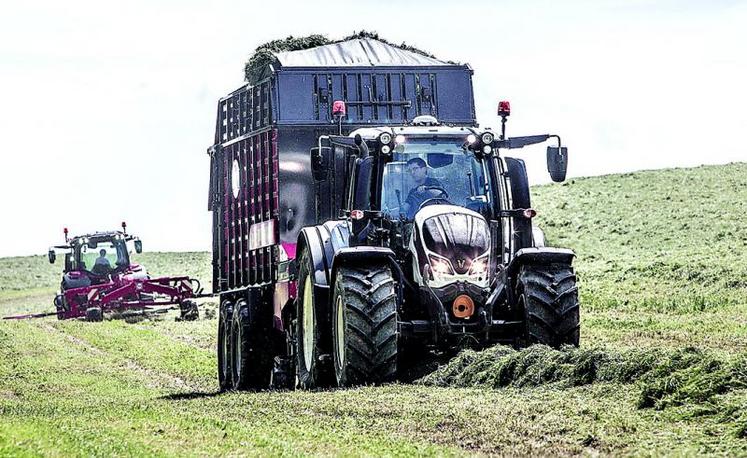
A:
[250,357]
[225,376]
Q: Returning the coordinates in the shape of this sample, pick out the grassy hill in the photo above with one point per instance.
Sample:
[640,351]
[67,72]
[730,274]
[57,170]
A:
[662,268]
[667,241]
[661,254]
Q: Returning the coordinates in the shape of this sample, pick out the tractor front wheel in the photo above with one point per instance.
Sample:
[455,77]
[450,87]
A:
[189,311]
[94,314]
[251,361]
[365,325]
[549,298]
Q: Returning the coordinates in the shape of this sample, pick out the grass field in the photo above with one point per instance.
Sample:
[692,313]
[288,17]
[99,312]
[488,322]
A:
[662,368]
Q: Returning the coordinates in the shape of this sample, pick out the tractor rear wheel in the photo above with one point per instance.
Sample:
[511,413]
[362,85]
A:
[224,349]
[59,304]
[364,328]
[549,298]
[94,314]
[309,324]
[251,360]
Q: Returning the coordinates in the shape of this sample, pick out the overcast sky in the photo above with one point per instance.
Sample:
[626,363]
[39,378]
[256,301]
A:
[107,108]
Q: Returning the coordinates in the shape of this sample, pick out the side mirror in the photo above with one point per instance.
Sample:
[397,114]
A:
[557,162]
[138,246]
[362,191]
[52,256]
[362,146]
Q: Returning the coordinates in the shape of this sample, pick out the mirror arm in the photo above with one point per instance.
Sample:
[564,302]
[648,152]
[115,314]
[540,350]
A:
[520,142]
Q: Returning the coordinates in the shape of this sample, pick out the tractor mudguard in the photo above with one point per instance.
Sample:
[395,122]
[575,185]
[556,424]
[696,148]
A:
[533,256]
[322,242]
[540,255]
[75,279]
[520,198]
[363,255]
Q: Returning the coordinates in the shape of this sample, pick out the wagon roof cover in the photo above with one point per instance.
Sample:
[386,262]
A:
[355,53]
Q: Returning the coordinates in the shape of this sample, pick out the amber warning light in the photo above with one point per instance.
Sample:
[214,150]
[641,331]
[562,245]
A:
[338,108]
[504,108]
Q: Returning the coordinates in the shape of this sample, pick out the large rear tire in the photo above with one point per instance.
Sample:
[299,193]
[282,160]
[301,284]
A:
[60,306]
[365,337]
[309,324]
[251,358]
[225,376]
[549,298]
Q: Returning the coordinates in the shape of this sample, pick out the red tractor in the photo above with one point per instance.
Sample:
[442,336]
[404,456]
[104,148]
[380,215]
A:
[99,277]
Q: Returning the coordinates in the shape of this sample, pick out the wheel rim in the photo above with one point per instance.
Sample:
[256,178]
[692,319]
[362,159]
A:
[237,351]
[340,327]
[308,323]
[224,367]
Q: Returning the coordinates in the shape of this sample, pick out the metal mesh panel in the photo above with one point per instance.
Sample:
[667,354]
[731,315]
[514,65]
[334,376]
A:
[249,198]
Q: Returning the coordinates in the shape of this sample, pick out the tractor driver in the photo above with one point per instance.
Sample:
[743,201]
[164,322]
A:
[419,193]
[102,264]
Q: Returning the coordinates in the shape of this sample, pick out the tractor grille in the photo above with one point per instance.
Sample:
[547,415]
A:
[459,237]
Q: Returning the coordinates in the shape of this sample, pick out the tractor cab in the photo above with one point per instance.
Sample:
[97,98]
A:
[434,169]
[100,254]
[93,258]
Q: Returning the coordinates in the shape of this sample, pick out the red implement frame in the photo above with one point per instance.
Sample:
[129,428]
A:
[124,293]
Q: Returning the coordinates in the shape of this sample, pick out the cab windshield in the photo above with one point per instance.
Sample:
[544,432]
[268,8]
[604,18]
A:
[102,257]
[431,171]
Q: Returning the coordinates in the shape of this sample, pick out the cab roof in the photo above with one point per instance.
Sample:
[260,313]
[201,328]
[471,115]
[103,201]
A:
[103,236]
[370,133]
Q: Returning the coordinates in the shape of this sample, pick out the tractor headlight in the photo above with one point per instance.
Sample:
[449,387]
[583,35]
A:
[440,266]
[487,138]
[479,266]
